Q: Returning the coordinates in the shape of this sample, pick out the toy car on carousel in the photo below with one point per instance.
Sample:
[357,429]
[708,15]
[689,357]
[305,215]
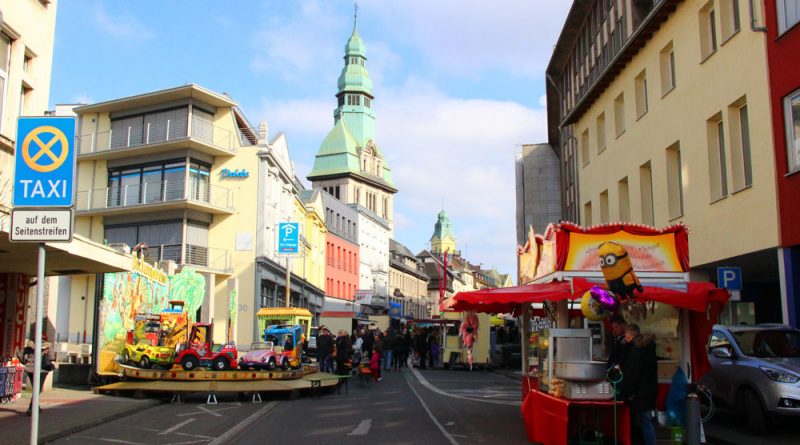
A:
[261,356]
[288,340]
[201,352]
[144,344]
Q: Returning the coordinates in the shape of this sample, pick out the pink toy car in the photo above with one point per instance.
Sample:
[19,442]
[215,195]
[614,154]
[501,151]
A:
[262,355]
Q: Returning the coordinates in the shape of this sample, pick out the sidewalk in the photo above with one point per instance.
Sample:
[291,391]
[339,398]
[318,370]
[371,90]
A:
[65,410]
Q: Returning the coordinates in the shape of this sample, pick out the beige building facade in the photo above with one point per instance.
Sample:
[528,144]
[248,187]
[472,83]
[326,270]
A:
[655,128]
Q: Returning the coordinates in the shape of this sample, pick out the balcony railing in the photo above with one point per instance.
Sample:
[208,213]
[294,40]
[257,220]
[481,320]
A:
[152,133]
[120,196]
[190,255]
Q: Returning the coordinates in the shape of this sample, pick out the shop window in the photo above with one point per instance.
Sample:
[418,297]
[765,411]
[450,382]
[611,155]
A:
[585,147]
[791,109]
[624,200]
[601,132]
[729,18]
[619,114]
[646,193]
[604,207]
[717,165]
[741,161]
[674,181]
[788,14]
[708,30]
[641,94]
[667,63]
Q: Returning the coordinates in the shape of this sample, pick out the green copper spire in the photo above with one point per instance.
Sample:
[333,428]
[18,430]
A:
[352,140]
[443,239]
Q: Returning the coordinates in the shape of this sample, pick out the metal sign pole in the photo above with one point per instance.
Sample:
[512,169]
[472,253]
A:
[37,367]
[288,281]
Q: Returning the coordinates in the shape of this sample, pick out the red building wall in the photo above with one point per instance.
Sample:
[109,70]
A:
[783,55]
[341,267]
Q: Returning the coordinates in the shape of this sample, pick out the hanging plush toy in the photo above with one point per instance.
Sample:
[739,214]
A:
[469,333]
[618,270]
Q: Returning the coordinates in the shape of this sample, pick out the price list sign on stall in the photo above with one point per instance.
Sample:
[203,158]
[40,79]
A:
[44,176]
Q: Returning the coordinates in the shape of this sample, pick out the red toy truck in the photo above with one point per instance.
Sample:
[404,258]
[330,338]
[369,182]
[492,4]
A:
[199,351]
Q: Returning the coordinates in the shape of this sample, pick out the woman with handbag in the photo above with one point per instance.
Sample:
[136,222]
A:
[47,366]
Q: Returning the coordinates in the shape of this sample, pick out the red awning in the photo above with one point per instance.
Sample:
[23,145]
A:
[507,299]
[695,296]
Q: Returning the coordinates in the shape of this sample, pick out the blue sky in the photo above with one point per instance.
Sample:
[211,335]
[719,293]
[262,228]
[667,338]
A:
[459,86]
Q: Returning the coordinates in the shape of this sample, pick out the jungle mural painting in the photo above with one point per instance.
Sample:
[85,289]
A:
[145,290]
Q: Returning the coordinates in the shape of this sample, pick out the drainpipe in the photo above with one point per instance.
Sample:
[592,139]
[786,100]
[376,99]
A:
[753,26]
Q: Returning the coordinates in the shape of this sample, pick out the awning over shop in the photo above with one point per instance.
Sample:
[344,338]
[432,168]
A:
[81,256]
[507,299]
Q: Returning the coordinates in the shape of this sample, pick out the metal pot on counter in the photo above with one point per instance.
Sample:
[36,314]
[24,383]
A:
[580,371]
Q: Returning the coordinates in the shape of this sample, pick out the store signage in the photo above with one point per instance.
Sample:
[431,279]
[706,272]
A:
[41,225]
[648,253]
[364,296]
[44,167]
[729,278]
[238,173]
[289,238]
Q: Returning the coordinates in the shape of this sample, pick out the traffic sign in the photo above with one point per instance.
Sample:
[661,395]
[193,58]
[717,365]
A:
[729,278]
[289,238]
[44,168]
[41,225]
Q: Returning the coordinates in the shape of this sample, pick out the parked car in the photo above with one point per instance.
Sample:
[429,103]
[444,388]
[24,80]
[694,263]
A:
[262,355]
[757,369]
[312,341]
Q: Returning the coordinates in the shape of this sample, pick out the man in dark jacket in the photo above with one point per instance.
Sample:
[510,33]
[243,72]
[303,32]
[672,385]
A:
[616,343]
[344,352]
[640,379]
[325,351]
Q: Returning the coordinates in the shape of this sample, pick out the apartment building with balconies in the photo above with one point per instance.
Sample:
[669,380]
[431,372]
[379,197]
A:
[169,171]
[408,283]
[660,112]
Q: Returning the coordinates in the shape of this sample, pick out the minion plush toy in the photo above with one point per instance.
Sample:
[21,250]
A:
[618,270]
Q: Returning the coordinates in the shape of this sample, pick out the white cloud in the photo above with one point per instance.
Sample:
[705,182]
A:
[470,36]
[82,99]
[543,101]
[123,26]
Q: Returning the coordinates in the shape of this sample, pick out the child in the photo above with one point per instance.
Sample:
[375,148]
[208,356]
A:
[375,366]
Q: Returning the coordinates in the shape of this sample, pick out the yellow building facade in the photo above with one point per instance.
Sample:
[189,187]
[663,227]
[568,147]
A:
[667,120]
[170,170]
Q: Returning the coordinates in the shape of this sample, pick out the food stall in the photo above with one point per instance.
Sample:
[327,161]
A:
[564,370]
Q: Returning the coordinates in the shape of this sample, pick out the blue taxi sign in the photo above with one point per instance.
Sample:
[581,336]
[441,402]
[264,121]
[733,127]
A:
[44,167]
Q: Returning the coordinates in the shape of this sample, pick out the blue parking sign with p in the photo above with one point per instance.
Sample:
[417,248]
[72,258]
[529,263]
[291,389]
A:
[289,238]
[729,278]
[44,168]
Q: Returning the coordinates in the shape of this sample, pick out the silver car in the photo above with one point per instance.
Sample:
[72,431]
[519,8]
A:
[757,369]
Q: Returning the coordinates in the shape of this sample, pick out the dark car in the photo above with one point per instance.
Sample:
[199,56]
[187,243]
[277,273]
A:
[757,369]
[312,342]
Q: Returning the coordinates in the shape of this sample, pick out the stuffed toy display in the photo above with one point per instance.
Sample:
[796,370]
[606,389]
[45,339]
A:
[618,270]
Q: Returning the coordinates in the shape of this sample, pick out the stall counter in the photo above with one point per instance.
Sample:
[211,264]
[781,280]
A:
[552,420]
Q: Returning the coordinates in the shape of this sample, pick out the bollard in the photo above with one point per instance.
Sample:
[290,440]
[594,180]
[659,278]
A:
[693,419]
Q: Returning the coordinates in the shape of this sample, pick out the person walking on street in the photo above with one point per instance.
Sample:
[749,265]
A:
[344,351]
[616,344]
[47,366]
[640,380]
[369,339]
[388,350]
[397,351]
[325,351]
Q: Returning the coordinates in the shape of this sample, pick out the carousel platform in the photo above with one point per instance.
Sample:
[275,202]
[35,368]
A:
[178,374]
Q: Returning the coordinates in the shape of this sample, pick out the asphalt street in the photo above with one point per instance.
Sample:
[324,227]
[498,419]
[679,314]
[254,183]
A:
[408,407]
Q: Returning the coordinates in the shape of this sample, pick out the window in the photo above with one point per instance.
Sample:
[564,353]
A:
[717,166]
[587,214]
[601,132]
[585,147]
[674,181]
[367,102]
[5,56]
[624,200]
[646,193]
[708,30]
[604,207]
[27,62]
[788,14]
[641,94]
[619,114]
[791,109]
[729,18]
[667,59]
[741,163]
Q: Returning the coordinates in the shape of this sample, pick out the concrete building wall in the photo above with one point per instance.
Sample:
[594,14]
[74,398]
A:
[538,182]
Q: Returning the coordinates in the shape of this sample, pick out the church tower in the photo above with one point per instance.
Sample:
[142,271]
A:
[443,238]
[349,164]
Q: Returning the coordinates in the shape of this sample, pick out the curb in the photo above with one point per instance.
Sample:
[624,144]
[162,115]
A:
[97,421]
